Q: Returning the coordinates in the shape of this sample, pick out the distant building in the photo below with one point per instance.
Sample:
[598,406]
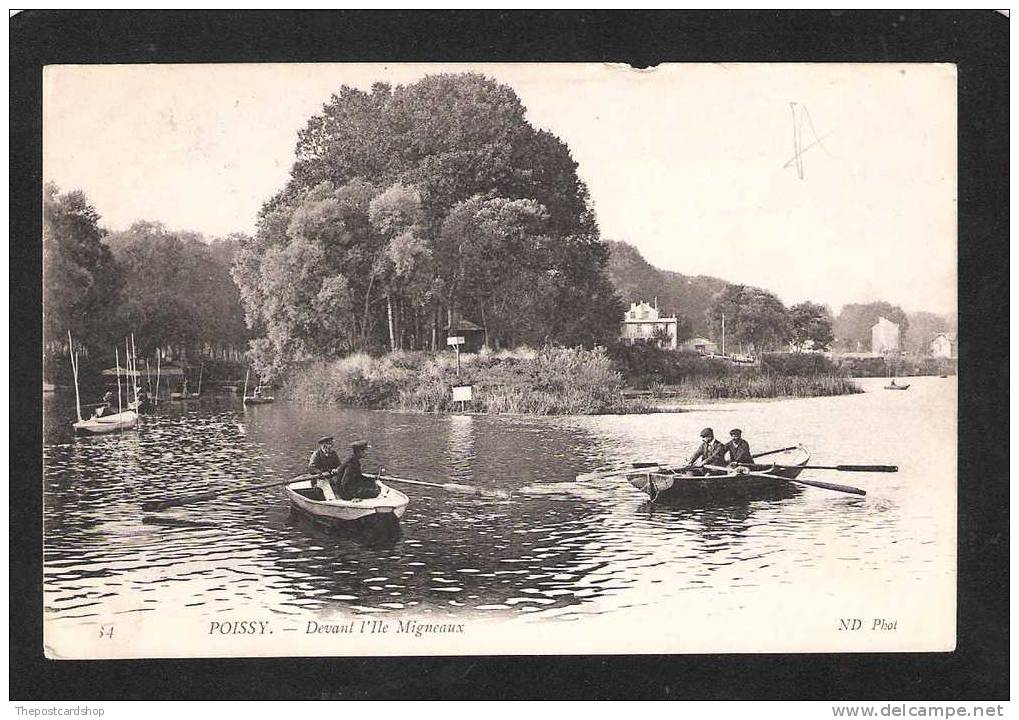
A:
[942,346]
[701,345]
[642,322]
[884,337]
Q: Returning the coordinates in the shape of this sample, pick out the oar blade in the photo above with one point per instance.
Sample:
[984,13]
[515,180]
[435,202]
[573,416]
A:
[868,468]
[832,486]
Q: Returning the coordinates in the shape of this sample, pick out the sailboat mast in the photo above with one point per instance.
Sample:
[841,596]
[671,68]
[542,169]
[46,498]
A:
[157,376]
[74,370]
[120,407]
[201,369]
[134,364]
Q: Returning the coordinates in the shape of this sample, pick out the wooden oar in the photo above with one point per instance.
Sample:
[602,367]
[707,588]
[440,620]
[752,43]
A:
[850,468]
[448,487]
[773,452]
[599,473]
[616,470]
[813,483]
[151,505]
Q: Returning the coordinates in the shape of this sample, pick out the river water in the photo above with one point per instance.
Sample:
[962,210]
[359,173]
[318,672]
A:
[554,549]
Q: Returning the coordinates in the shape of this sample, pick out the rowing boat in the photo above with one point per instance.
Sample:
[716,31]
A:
[313,500]
[183,396]
[107,423]
[258,399]
[695,485]
[896,386]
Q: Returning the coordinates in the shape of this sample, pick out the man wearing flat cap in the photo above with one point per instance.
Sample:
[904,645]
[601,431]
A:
[352,483]
[710,450]
[739,449]
[324,459]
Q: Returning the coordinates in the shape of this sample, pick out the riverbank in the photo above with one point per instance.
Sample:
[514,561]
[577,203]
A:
[550,381]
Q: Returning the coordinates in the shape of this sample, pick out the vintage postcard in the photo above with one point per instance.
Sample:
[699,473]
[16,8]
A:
[411,359]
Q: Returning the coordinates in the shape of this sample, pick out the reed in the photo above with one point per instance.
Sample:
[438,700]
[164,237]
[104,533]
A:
[754,385]
[549,381]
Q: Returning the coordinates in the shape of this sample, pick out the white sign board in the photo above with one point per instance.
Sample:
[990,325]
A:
[463,393]
[455,340]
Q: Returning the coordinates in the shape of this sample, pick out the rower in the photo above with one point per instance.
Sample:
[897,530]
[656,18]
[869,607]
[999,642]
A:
[352,483]
[739,449]
[710,451]
[324,459]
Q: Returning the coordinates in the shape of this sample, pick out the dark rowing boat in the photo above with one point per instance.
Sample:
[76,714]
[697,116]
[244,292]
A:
[697,485]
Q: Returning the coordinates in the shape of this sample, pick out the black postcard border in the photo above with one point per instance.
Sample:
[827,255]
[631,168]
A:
[977,41]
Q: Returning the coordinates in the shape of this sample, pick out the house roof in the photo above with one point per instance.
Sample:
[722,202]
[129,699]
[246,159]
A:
[464,326]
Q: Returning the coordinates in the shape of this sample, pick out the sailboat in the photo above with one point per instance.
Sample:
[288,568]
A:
[258,396]
[124,419]
[184,394]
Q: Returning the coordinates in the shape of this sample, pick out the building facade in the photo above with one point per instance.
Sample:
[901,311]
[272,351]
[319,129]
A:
[884,337]
[642,325]
[942,346]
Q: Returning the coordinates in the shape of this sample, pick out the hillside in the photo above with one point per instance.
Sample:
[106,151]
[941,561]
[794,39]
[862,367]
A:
[635,279]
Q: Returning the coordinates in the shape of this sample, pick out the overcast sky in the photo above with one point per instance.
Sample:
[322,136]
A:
[689,163]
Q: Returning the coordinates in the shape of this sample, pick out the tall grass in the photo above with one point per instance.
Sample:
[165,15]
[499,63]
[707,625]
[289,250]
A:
[748,385]
[550,381]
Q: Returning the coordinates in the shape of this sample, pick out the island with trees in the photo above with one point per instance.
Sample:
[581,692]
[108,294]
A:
[409,212]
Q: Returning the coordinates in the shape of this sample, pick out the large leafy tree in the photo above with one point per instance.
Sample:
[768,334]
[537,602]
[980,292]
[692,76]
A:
[753,317]
[811,326]
[853,325]
[431,200]
[177,290]
[81,280]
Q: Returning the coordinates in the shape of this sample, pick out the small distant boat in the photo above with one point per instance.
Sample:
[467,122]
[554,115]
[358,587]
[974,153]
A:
[100,425]
[117,422]
[185,395]
[313,501]
[258,397]
[895,386]
[665,485]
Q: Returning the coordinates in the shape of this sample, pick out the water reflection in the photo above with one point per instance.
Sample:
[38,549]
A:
[555,548]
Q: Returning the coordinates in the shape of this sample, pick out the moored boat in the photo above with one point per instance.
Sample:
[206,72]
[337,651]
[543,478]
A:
[698,485]
[258,399]
[116,422]
[896,386]
[312,500]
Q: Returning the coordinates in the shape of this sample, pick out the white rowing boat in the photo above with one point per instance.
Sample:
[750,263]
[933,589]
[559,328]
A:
[320,502]
[107,423]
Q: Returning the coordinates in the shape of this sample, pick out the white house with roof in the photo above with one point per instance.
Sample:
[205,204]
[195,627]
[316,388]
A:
[884,337]
[942,346]
[641,323]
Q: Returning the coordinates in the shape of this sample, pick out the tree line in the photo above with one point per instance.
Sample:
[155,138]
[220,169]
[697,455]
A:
[172,289]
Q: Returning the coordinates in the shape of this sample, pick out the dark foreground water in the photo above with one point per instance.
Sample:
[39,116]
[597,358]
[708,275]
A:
[555,548]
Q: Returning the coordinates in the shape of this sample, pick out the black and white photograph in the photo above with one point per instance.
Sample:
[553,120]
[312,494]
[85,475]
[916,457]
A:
[347,359]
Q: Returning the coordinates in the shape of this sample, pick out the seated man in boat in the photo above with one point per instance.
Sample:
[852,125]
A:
[710,451]
[324,459]
[739,449]
[352,483]
[105,406]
